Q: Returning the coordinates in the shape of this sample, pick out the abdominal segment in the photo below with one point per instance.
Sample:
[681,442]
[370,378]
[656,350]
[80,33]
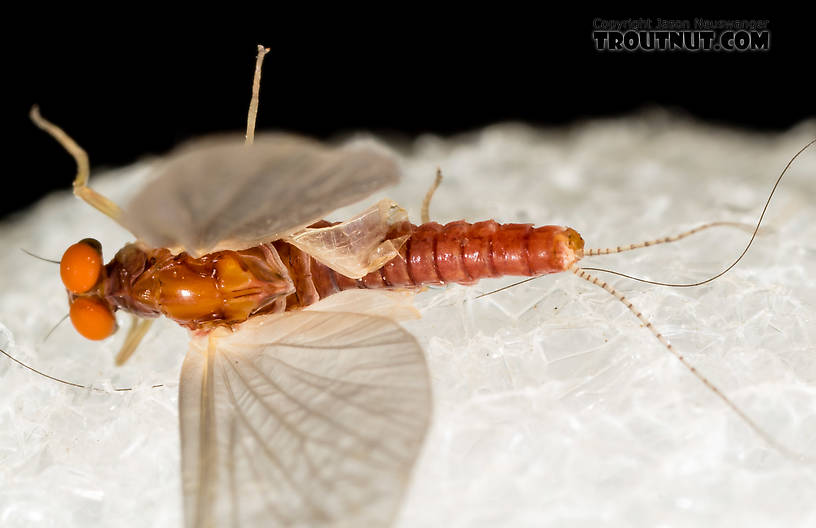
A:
[458,252]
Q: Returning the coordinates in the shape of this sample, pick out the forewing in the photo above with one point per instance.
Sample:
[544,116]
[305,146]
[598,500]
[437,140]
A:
[218,193]
[301,419]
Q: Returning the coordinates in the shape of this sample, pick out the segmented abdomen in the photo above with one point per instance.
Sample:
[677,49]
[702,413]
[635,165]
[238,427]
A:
[457,252]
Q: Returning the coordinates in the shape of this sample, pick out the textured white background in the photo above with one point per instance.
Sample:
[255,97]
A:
[553,407]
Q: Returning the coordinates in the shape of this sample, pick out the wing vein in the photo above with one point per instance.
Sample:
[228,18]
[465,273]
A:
[369,443]
[264,447]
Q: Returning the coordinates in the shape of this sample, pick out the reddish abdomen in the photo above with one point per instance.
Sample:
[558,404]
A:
[457,252]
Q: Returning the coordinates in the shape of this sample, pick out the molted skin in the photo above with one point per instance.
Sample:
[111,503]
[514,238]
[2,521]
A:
[227,287]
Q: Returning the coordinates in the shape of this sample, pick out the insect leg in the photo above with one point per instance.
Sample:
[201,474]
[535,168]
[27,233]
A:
[138,329]
[426,202]
[664,240]
[665,342]
[81,188]
[256,88]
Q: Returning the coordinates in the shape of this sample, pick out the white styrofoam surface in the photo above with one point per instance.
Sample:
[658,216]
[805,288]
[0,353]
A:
[553,407]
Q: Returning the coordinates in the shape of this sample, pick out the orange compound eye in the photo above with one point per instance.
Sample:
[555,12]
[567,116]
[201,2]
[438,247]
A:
[81,266]
[92,318]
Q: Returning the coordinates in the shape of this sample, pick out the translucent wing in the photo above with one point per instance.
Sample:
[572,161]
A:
[301,419]
[357,246]
[218,193]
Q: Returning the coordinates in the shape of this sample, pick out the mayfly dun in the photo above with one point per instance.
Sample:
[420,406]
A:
[299,405]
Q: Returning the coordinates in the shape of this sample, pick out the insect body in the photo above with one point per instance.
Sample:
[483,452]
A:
[227,287]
